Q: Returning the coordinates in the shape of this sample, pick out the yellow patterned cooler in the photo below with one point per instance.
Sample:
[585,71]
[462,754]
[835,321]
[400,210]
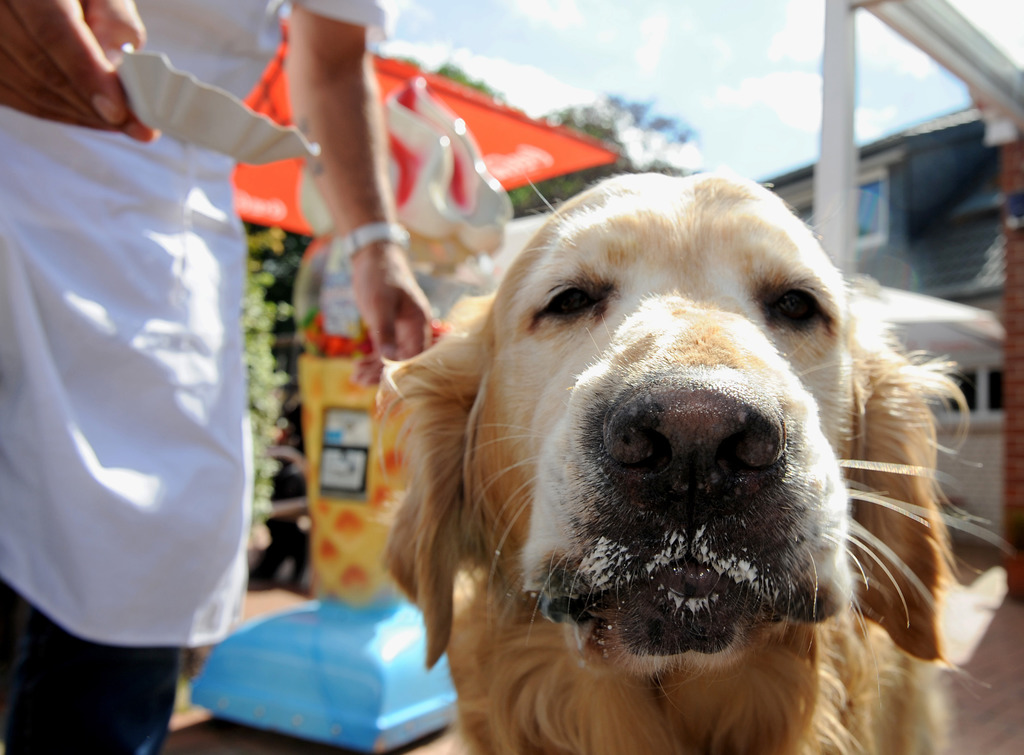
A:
[354,470]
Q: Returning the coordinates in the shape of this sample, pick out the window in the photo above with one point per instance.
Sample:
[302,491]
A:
[968,384]
[869,209]
[983,390]
[873,212]
[995,390]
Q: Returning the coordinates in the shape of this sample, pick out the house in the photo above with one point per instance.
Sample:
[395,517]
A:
[929,222]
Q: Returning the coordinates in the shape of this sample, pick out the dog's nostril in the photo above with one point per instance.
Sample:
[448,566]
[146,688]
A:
[637,446]
[757,446]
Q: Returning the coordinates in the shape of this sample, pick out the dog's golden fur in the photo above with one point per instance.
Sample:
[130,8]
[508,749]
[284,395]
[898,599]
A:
[675,278]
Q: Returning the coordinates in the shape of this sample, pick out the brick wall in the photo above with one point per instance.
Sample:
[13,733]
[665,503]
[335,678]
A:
[1012,179]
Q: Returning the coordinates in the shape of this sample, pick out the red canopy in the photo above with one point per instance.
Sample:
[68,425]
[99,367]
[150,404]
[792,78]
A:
[517,149]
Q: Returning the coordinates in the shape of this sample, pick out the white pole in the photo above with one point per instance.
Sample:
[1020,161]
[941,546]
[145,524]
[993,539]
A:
[835,176]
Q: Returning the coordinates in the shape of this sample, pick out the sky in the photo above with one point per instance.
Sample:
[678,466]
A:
[745,75]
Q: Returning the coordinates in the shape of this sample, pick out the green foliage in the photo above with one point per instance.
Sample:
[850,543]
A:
[260,317]
[457,74]
[609,120]
[451,71]
[541,196]
[280,260]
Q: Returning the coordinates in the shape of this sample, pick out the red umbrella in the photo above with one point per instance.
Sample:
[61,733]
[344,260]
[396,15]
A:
[516,149]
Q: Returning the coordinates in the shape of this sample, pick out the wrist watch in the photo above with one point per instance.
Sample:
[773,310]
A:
[343,248]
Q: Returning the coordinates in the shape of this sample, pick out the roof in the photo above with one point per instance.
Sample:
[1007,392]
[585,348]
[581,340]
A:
[962,251]
[960,260]
[926,128]
[929,128]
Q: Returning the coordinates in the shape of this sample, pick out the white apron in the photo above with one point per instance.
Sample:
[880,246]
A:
[125,476]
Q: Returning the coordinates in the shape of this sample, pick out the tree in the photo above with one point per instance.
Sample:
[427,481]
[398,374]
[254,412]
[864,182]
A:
[455,73]
[646,142]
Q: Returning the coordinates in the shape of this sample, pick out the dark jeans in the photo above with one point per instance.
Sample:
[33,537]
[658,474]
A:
[69,695]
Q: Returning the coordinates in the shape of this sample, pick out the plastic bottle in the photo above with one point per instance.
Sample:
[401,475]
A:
[314,300]
[338,298]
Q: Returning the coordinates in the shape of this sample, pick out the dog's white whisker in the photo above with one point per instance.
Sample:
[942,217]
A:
[481,493]
[892,505]
[540,195]
[528,432]
[868,549]
[890,468]
[849,553]
[920,514]
[508,437]
[523,507]
[818,367]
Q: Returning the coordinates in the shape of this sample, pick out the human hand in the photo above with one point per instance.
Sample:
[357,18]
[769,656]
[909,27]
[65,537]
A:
[393,306]
[55,61]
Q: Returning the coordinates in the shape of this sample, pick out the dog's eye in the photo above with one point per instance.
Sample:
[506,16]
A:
[796,305]
[569,302]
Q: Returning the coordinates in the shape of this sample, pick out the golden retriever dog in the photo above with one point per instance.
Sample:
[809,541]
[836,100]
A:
[670,493]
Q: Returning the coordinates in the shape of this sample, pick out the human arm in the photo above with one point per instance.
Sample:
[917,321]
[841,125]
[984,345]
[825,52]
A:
[54,64]
[335,101]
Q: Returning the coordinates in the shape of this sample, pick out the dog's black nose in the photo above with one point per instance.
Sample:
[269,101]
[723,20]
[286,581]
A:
[713,438]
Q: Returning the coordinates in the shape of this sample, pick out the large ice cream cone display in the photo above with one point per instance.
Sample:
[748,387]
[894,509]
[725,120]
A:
[354,471]
[349,667]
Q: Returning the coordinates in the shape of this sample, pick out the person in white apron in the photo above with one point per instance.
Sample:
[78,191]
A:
[124,453]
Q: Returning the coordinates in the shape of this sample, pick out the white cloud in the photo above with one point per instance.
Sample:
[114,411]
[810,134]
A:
[555,14]
[525,87]
[873,123]
[880,47]
[413,9]
[794,96]
[722,49]
[802,37]
[653,33]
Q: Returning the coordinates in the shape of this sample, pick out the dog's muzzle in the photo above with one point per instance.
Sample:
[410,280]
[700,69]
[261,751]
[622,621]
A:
[693,529]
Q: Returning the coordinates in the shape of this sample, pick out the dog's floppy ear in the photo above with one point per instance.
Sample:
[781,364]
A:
[432,535]
[901,542]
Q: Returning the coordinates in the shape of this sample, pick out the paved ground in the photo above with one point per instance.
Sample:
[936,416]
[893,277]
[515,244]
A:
[987,643]
[211,737]
[986,632]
